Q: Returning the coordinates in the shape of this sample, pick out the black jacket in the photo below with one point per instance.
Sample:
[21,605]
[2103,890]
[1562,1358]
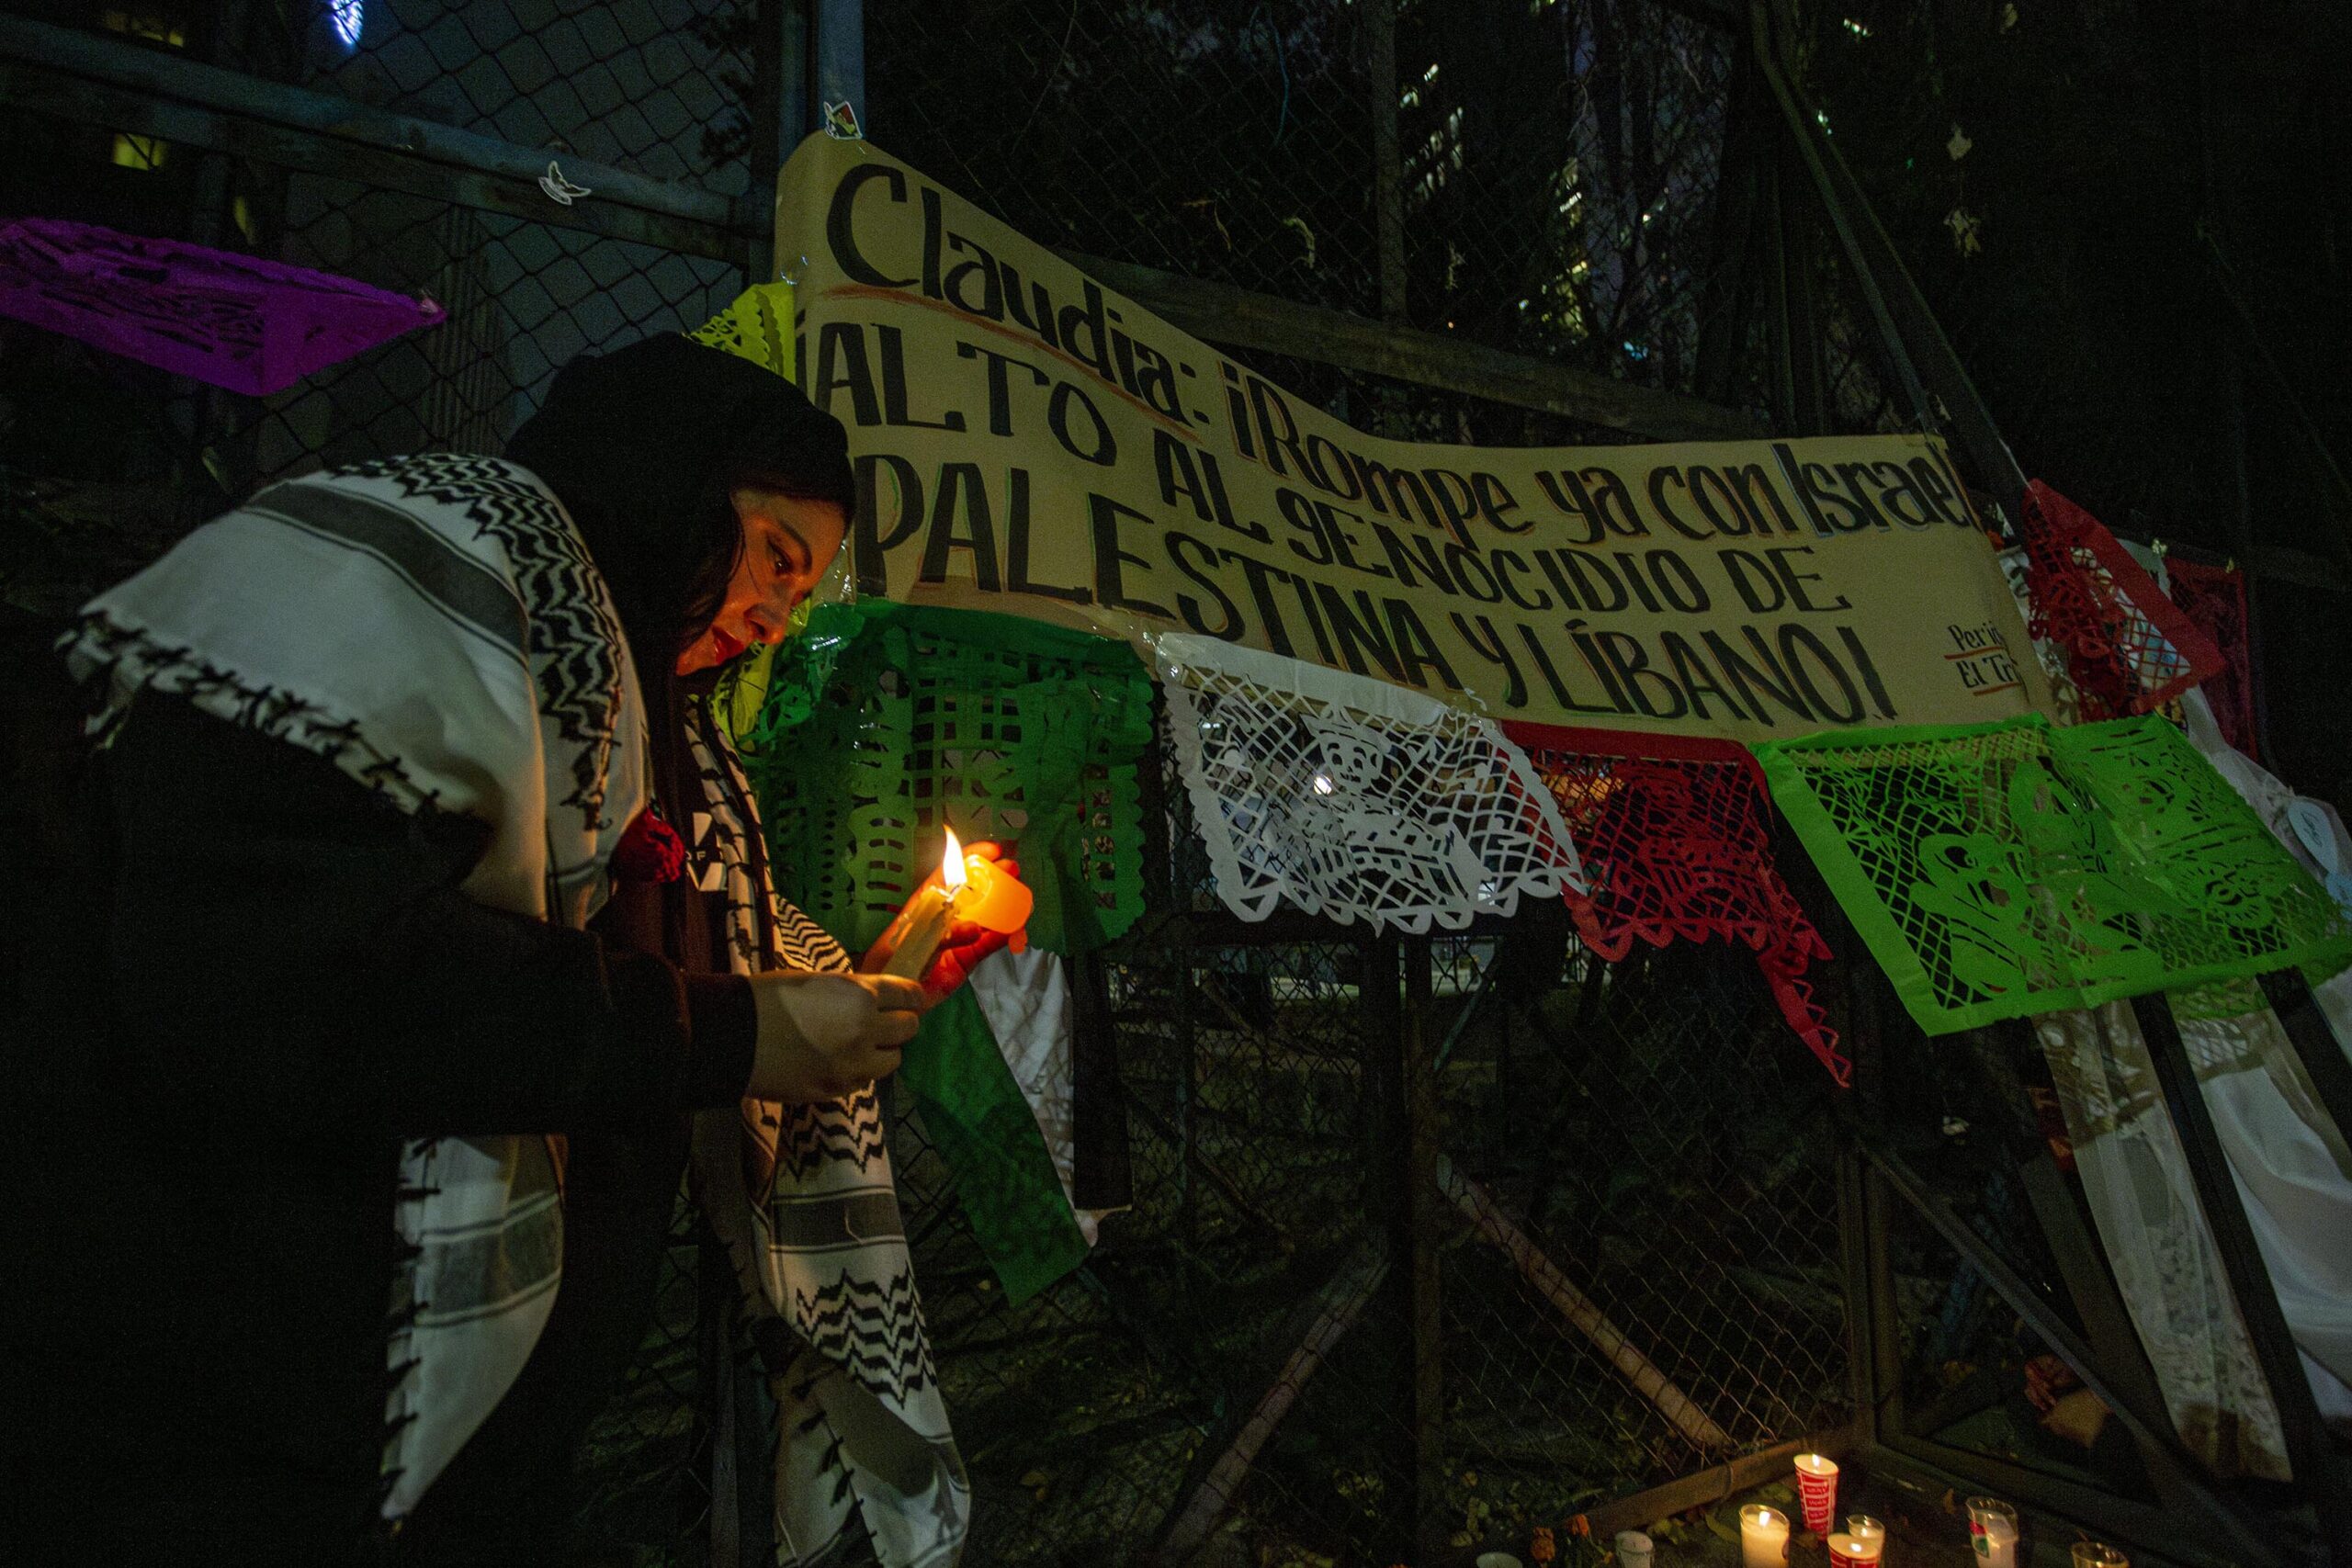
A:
[258,981]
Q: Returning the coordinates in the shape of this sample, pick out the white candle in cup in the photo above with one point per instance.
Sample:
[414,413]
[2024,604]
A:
[1993,1532]
[1763,1537]
[1869,1535]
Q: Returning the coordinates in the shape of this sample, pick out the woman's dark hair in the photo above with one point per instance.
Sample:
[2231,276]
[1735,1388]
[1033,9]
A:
[646,447]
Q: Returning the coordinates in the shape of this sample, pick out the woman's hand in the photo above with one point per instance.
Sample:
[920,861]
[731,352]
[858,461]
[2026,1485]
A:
[2047,1380]
[967,943]
[827,1036]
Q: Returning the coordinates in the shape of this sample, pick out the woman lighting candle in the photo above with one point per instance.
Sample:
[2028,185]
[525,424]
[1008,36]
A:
[973,889]
[454,877]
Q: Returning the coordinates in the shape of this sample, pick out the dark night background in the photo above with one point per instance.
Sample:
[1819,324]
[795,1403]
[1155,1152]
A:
[2164,192]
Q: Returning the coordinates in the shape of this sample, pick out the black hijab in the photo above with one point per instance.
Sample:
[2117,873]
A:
[643,445]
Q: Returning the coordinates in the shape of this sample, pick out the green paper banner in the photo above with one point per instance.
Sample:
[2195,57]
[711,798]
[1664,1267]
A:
[885,725]
[1997,871]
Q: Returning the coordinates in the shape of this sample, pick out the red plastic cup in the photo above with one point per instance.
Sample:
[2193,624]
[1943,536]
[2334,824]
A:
[1817,1492]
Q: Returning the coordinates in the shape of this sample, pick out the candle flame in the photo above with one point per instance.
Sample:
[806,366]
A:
[951,864]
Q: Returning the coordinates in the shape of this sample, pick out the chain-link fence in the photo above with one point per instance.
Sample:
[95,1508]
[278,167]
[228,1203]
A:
[1211,137]
[1558,161]
[1638,1275]
[1636,1244]
[1636,1251]
[645,1465]
[1563,189]
[522,300]
[1645,1126]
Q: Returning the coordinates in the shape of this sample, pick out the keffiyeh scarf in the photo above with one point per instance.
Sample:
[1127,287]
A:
[802,1196]
[435,627]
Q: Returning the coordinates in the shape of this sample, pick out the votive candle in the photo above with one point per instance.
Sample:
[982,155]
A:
[1993,1532]
[1817,1490]
[1763,1537]
[1848,1551]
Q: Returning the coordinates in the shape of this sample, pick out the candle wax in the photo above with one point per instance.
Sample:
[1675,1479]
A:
[924,925]
[1763,1537]
[989,898]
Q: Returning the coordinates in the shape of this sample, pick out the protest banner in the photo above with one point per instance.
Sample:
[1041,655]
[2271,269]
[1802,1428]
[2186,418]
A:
[1029,442]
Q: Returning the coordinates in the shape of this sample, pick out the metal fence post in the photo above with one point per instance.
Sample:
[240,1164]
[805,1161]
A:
[1185,994]
[1796,379]
[2290,996]
[716,1412]
[1388,160]
[1414,1115]
[837,57]
[776,115]
[1916,349]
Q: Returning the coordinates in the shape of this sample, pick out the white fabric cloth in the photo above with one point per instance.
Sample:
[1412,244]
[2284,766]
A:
[2145,1206]
[2311,830]
[1025,997]
[2294,1176]
[1353,799]
[2335,997]
[2288,1158]
[434,627]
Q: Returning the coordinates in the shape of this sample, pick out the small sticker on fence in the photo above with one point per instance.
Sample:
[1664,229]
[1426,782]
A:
[561,190]
[841,122]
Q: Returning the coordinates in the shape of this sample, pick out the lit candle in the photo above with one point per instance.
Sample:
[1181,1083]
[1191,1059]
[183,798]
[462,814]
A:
[971,890]
[1817,1490]
[1849,1550]
[1763,1537]
[1993,1532]
[1867,1531]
